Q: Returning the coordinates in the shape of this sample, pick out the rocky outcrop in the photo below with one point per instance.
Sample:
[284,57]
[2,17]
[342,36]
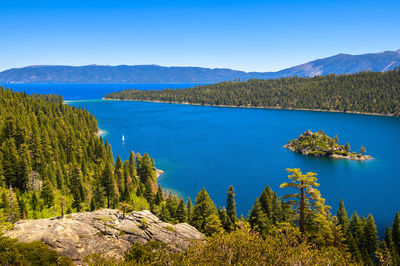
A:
[104,231]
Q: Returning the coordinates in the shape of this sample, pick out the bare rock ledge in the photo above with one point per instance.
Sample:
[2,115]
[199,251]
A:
[104,231]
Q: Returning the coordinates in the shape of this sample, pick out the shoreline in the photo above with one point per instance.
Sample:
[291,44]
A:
[100,132]
[257,107]
[158,172]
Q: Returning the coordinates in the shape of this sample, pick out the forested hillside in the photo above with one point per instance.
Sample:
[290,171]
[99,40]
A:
[365,92]
[53,162]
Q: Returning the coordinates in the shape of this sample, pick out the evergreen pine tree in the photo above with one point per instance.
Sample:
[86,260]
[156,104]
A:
[308,198]
[23,168]
[231,205]
[132,165]
[108,183]
[47,193]
[277,209]
[76,188]
[266,202]
[396,232]
[189,210]
[146,171]
[224,218]
[212,225]
[98,194]
[118,174]
[383,254]
[164,213]
[159,196]
[149,193]
[12,209]
[4,199]
[203,208]
[353,247]
[59,179]
[356,228]
[388,238]
[92,205]
[22,207]
[10,162]
[34,201]
[181,211]
[258,219]
[172,204]
[341,214]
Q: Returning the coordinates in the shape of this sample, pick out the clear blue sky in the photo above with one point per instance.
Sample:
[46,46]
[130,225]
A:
[245,35]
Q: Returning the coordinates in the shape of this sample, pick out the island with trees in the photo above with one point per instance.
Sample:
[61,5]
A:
[318,144]
[364,92]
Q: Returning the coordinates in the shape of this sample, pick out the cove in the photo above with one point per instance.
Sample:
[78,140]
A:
[213,147]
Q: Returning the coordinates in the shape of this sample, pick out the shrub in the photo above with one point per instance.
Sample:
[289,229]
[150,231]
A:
[144,223]
[13,252]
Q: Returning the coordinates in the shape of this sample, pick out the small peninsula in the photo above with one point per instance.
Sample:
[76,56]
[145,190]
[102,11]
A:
[318,144]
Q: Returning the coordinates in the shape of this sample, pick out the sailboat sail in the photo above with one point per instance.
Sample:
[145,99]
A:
[123,138]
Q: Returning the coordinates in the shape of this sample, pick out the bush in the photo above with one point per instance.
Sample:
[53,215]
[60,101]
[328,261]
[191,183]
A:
[147,253]
[13,252]
[144,223]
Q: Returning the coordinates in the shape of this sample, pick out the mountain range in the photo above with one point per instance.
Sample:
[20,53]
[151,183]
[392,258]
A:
[338,64]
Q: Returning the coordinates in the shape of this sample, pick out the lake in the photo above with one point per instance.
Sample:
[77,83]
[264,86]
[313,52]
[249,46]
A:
[215,147]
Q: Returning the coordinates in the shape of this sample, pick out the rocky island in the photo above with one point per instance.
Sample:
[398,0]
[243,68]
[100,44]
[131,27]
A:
[318,144]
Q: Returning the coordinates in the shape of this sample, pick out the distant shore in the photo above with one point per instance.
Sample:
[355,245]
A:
[257,107]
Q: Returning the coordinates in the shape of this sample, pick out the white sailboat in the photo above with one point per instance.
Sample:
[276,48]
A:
[123,138]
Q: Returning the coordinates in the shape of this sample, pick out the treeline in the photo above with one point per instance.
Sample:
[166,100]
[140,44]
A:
[295,229]
[52,162]
[366,92]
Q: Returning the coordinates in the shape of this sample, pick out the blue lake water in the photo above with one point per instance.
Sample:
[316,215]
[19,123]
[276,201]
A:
[212,147]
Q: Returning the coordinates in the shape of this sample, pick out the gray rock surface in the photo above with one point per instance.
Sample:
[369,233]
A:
[104,231]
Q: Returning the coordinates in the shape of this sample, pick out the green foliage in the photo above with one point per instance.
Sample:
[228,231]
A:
[144,223]
[181,211]
[320,145]
[51,159]
[231,205]
[145,170]
[342,217]
[33,253]
[367,92]
[47,194]
[125,207]
[203,208]
[241,247]
[272,206]
[212,225]
[363,150]
[308,199]
[189,210]
[259,220]
[4,224]
[145,254]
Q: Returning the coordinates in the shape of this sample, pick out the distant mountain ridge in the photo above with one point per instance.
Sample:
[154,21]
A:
[338,64]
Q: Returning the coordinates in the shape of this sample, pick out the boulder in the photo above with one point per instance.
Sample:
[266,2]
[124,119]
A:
[105,231]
